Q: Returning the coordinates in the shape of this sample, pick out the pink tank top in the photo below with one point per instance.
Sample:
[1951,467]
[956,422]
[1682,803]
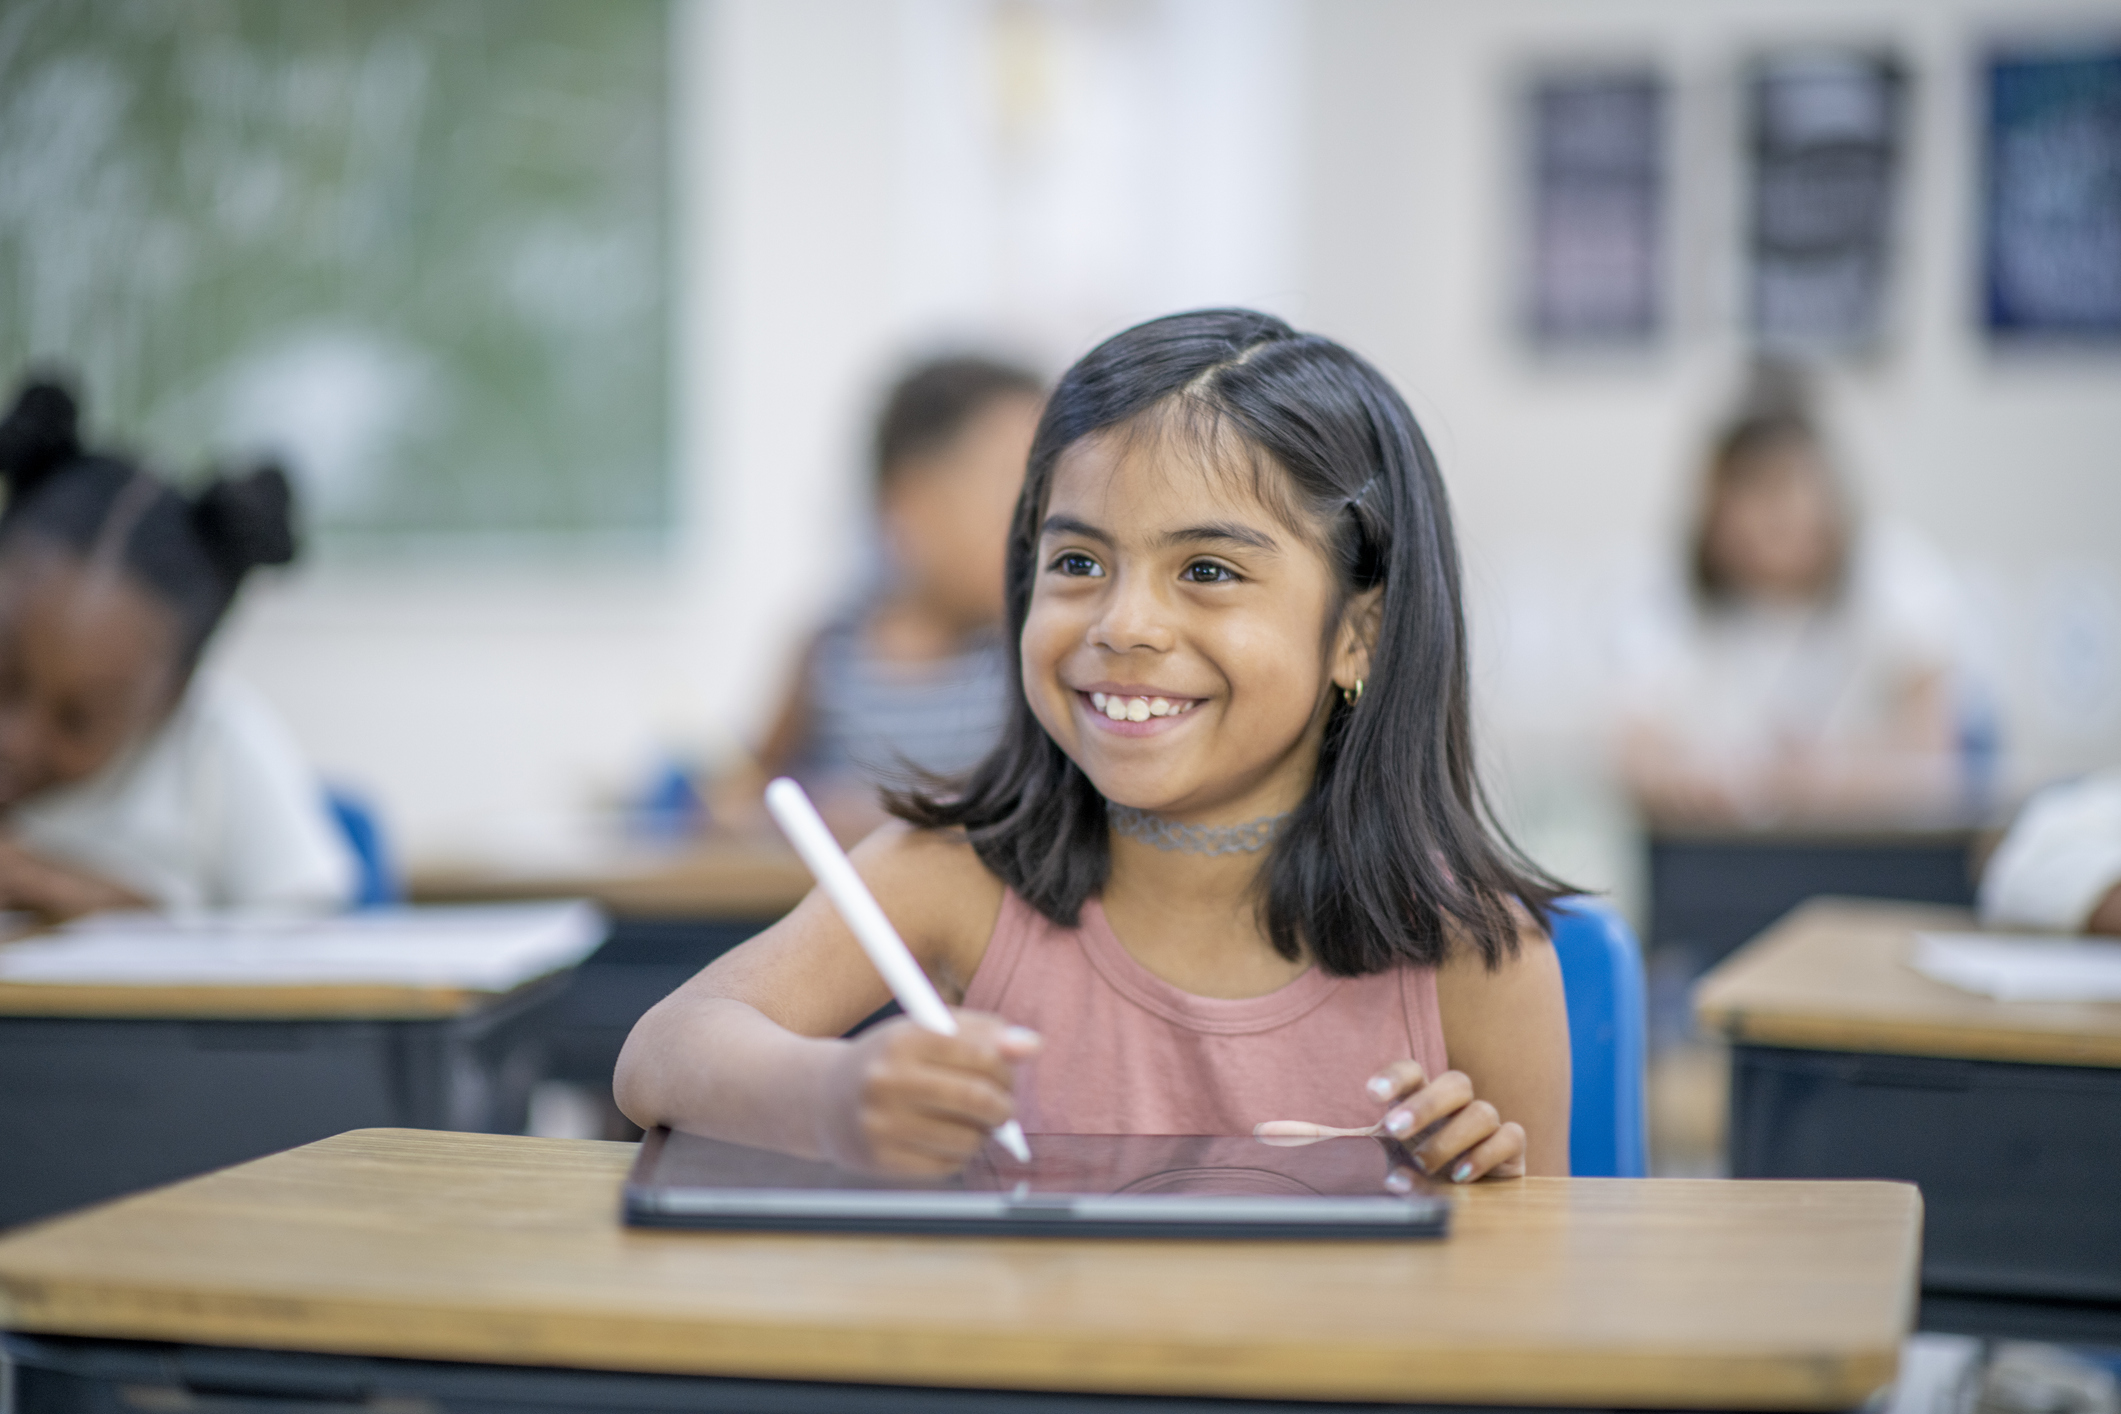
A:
[1128,1053]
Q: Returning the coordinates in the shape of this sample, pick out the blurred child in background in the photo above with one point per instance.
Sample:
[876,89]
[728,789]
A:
[914,676]
[128,777]
[1809,674]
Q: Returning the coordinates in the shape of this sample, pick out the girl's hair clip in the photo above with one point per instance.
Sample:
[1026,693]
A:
[1355,500]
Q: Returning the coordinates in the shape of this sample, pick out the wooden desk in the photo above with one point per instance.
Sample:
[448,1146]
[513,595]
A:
[1834,976]
[719,877]
[110,1089]
[1847,1063]
[508,1251]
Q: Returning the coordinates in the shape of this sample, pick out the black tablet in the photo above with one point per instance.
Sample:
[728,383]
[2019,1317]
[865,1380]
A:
[1076,1185]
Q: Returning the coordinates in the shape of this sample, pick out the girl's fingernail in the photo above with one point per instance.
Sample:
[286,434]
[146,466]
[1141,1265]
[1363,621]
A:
[1380,1087]
[1399,1123]
[1463,1172]
[1020,1036]
[1399,1181]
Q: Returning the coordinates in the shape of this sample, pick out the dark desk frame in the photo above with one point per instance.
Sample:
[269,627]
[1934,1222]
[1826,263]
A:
[93,1107]
[2017,1164]
[1713,891]
[55,1375]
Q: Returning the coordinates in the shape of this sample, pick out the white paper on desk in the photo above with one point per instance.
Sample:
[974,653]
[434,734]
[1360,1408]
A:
[2022,969]
[479,948]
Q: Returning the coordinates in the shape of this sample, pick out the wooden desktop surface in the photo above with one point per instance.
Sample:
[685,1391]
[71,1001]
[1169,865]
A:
[1835,975]
[132,1001]
[716,877]
[1617,1293]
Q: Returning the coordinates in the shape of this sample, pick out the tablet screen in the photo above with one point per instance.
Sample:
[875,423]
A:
[1080,1184]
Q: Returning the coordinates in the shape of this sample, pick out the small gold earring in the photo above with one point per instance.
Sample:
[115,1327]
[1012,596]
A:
[1352,695]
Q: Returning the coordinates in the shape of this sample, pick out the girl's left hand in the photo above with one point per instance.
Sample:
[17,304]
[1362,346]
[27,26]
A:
[1461,1137]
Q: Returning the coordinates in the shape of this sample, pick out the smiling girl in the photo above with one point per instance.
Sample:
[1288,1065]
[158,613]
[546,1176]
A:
[1228,866]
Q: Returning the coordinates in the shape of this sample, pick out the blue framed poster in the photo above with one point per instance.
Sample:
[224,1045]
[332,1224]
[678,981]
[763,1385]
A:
[2052,195]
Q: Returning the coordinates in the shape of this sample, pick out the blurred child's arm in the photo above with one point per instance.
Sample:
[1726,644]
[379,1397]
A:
[1503,1108]
[750,1049]
[34,884]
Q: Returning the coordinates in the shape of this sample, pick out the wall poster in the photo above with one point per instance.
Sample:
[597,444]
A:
[1826,138]
[1596,252]
[2052,195]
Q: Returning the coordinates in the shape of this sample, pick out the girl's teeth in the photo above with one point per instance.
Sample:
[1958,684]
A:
[1136,709]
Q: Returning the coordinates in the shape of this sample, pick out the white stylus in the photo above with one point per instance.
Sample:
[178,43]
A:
[805,829]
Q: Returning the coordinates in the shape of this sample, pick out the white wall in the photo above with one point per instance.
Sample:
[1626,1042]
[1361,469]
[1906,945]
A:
[857,178]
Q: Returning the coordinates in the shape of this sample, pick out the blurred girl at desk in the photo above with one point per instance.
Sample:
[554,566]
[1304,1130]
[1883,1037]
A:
[916,673]
[1227,870]
[1805,676]
[128,777]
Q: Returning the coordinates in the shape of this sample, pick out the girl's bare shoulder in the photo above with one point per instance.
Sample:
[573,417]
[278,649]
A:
[934,887]
[1466,969]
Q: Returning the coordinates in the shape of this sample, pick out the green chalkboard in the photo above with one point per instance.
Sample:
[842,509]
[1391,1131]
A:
[419,247]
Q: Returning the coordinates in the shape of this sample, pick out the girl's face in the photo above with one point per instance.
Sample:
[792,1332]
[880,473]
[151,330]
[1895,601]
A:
[1177,645]
[1775,528]
[87,665]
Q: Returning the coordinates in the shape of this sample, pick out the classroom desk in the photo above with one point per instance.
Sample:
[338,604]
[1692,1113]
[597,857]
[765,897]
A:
[1847,1063]
[674,909]
[719,876]
[443,1267]
[109,1089]
[1712,890]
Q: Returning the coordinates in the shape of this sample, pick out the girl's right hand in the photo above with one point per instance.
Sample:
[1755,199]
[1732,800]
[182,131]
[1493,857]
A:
[903,1100]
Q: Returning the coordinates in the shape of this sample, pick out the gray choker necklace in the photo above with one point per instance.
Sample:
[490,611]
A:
[1249,838]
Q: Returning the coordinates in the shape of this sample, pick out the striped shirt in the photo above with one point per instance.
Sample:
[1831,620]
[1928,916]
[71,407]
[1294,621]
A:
[872,719]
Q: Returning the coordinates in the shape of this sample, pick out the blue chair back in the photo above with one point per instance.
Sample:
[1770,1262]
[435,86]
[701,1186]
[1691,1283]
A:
[378,883]
[1601,975]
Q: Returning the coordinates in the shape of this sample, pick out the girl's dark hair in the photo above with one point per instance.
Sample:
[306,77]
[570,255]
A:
[931,403]
[1774,416]
[190,552]
[1393,853]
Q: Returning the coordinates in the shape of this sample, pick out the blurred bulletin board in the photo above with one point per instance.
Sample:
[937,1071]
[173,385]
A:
[417,246]
[2052,197]
[1597,165]
[1826,145]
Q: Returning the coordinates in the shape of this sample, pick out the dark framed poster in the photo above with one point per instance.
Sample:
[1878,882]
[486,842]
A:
[2051,219]
[1826,138]
[1595,254]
